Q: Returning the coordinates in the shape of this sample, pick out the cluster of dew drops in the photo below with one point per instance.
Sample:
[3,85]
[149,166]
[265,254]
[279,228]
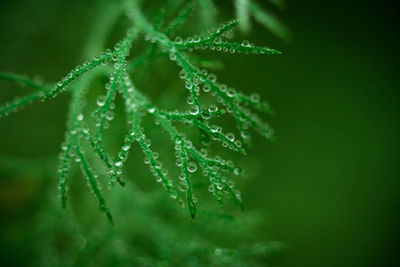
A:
[191,83]
[205,42]
[194,82]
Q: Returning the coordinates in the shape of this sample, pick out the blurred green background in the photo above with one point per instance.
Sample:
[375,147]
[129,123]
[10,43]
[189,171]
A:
[329,189]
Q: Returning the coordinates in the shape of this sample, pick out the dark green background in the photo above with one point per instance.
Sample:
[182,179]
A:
[331,186]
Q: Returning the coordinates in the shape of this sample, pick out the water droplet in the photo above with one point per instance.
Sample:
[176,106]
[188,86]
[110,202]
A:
[192,167]
[214,128]
[101,100]
[79,117]
[147,142]
[194,110]
[238,143]
[223,87]
[212,77]
[206,88]
[210,189]
[172,56]
[217,40]
[220,186]
[126,147]
[178,140]
[230,136]
[203,152]
[231,92]
[244,134]
[188,144]
[118,164]
[255,97]
[206,115]
[188,85]
[246,43]
[182,176]
[72,153]
[212,108]
[178,40]
[110,115]
[196,38]
[179,162]
[151,110]
[182,74]
[190,100]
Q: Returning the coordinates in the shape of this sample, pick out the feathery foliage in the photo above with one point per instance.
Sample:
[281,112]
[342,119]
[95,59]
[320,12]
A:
[246,9]
[83,134]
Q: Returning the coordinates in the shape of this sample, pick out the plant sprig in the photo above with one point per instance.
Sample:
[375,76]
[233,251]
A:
[189,157]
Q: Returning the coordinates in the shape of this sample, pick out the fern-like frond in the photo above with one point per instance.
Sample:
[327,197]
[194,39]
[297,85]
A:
[92,180]
[120,53]
[151,157]
[20,103]
[185,148]
[77,72]
[23,80]
[193,71]
[186,184]
[214,40]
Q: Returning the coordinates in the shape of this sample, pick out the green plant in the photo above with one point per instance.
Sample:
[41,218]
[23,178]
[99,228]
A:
[100,134]
[119,67]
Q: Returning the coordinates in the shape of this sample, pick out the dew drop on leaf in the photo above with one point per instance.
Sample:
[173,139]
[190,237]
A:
[79,117]
[118,164]
[230,136]
[217,40]
[212,108]
[194,110]
[206,88]
[255,97]
[246,43]
[101,99]
[192,167]
[178,40]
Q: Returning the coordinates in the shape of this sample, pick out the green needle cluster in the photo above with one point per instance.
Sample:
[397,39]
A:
[120,68]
